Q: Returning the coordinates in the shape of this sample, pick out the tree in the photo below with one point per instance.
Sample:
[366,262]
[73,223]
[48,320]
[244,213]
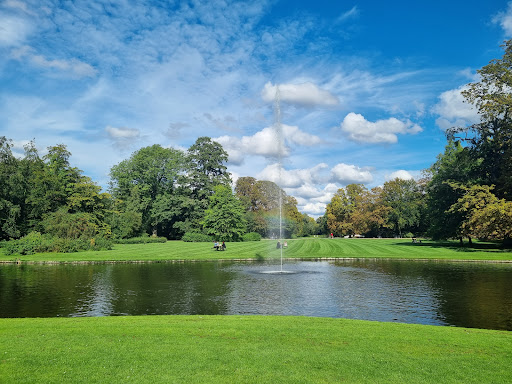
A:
[224,217]
[206,169]
[338,213]
[490,141]
[355,210]
[485,216]
[404,199]
[149,176]
[10,195]
[455,165]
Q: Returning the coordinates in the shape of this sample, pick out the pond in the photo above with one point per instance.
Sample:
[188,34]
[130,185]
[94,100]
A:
[474,295]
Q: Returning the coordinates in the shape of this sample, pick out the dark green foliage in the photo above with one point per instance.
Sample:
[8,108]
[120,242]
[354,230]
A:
[125,225]
[196,237]
[36,242]
[251,236]
[74,225]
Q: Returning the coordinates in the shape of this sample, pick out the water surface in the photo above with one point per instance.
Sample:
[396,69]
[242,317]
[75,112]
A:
[457,294]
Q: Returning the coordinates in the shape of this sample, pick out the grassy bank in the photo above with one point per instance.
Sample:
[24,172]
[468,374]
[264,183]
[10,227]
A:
[299,248]
[247,349]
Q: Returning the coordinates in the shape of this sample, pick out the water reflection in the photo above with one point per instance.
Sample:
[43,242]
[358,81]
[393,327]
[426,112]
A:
[459,294]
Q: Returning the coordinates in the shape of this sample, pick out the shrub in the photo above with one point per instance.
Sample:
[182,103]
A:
[251,236]
[36,242]
[408,235]
[196,237]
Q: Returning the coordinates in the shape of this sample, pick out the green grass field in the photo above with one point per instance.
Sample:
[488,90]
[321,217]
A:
[247,349]
[310,248]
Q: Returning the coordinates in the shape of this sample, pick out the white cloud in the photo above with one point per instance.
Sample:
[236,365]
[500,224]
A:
[382,131]
[313,209]
[266,143]
[311,199]
[295,178]
[347,174]
[453,111]
[400,174]
[504,19]
[305,94]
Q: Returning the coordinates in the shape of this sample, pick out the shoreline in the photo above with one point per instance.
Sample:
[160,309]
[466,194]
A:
[252,260]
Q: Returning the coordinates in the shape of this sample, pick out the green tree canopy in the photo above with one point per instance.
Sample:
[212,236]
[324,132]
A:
[404,199]
[144,179]
[224,218]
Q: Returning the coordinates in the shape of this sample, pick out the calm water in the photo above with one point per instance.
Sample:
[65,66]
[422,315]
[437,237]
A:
[457,294]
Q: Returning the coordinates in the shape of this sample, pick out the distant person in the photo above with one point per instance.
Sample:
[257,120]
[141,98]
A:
[223,246]
[278,245]
[285,245]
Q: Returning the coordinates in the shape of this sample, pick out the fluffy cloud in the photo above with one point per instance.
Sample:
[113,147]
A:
[453,111]
[401,174]
[266,143]
[311,199]
[295,178]
[305,94]
[347,174]
[382,131]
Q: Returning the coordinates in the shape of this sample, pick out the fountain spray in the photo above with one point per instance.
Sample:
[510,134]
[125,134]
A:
[279,133]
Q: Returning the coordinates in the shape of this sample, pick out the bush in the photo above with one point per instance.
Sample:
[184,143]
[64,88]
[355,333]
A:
[251,236]
[408,235]
[36,242]
[196,237]
[141,240]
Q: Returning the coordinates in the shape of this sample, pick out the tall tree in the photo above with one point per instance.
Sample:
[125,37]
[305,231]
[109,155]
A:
[206,169]
[404,199]
[490,141]
[454,166]
[145,180]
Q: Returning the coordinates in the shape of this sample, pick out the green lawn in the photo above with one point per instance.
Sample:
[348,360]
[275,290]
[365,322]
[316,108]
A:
[301,248]
[247,349]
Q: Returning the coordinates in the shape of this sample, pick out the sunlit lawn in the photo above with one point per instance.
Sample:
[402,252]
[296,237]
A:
[300,248]
[247,349]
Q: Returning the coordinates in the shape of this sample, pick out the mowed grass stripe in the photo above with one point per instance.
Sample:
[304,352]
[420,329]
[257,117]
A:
[297,248]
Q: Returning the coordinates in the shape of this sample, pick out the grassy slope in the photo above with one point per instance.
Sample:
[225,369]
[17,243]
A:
[251,349]
[300,248]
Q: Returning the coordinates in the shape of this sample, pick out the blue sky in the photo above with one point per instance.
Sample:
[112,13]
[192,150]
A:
[367,88]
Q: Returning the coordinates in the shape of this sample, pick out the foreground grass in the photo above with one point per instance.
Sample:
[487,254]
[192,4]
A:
[300,248]
[247,349]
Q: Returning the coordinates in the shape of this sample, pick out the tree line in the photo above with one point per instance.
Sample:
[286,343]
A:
[166,192]
[162,192]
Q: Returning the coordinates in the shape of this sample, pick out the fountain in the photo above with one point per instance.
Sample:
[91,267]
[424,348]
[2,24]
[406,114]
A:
[279,135]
